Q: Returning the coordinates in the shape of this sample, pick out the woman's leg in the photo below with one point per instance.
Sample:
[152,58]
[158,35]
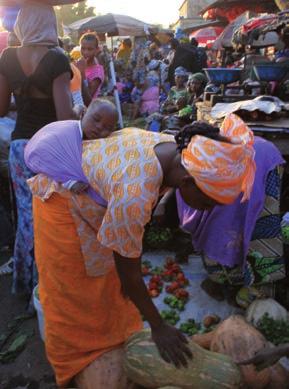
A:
[105,372]
[25,275]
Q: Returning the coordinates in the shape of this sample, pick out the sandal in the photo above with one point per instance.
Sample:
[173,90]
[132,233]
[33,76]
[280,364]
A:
[7,268]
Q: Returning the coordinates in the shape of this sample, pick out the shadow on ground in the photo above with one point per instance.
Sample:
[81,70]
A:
[30,370]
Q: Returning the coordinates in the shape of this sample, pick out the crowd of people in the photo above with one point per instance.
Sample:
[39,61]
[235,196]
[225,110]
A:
[94,188]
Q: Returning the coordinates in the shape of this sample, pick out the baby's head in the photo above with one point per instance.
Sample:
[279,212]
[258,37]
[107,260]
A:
[100,119]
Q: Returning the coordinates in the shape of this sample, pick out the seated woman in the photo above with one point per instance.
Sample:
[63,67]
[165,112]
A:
[89,255]
[146,96]
[151,94]
[241,243]
[177,99]
[177,93]
[196,87]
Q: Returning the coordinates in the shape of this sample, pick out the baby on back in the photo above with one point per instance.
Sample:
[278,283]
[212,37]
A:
[56,149]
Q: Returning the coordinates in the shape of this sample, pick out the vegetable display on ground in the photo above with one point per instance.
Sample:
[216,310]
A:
[207,369]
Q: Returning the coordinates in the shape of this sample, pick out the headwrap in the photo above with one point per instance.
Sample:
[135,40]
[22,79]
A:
[181,72]
[223,170]
[180,34]
[152,79]
[200,77]
[153,64]
[36,25]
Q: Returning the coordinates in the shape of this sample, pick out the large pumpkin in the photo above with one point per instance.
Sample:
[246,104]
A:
[204,340]
[241,341]
[279,377]
[207,370]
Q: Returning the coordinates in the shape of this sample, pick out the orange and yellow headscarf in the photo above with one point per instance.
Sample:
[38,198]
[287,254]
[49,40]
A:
[223,170]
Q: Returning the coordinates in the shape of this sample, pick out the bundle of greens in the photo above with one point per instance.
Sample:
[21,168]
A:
[275,331]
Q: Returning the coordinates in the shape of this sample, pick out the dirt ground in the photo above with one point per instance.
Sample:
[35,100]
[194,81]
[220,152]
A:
[30,370]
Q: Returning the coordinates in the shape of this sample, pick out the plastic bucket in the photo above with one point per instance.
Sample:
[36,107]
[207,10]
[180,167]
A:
[39,311]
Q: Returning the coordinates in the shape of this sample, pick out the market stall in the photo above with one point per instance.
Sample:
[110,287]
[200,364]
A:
[111,25]
[231,9]
[207,36]
[253,84]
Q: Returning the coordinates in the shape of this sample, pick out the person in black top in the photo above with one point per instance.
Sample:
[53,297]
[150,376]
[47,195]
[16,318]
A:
[185,56]
[202,57]
[38,75]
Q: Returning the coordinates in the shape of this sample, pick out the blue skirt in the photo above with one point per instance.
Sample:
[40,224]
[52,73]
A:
[25,274]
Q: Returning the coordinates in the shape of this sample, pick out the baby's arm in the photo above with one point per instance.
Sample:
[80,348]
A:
[75,187]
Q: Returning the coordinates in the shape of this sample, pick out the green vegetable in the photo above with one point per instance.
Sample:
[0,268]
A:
[147,264]
[157,236]
[175,303]
[156,271]
[190,327]
[275,331]
[170,316]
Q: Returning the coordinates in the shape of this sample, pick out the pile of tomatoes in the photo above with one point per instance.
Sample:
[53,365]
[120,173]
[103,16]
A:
[171,274]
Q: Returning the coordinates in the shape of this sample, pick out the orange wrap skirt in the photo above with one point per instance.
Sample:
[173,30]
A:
[85,317]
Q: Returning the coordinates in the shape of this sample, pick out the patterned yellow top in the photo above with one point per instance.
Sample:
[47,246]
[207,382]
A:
[125,171]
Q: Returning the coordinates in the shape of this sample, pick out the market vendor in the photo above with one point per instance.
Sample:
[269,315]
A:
[178,95]
[89,256]
[241,243]
[195,87]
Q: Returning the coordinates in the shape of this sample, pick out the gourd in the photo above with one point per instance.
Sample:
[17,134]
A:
[279,377]
[259,307]
[207,370]
[241,341]
[204,340]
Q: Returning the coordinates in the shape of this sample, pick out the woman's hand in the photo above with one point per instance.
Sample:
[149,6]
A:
[265,358]
[172,345]
[79,111]
[159,214]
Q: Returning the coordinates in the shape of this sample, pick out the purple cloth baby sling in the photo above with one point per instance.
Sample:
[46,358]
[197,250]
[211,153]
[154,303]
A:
[56,151]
